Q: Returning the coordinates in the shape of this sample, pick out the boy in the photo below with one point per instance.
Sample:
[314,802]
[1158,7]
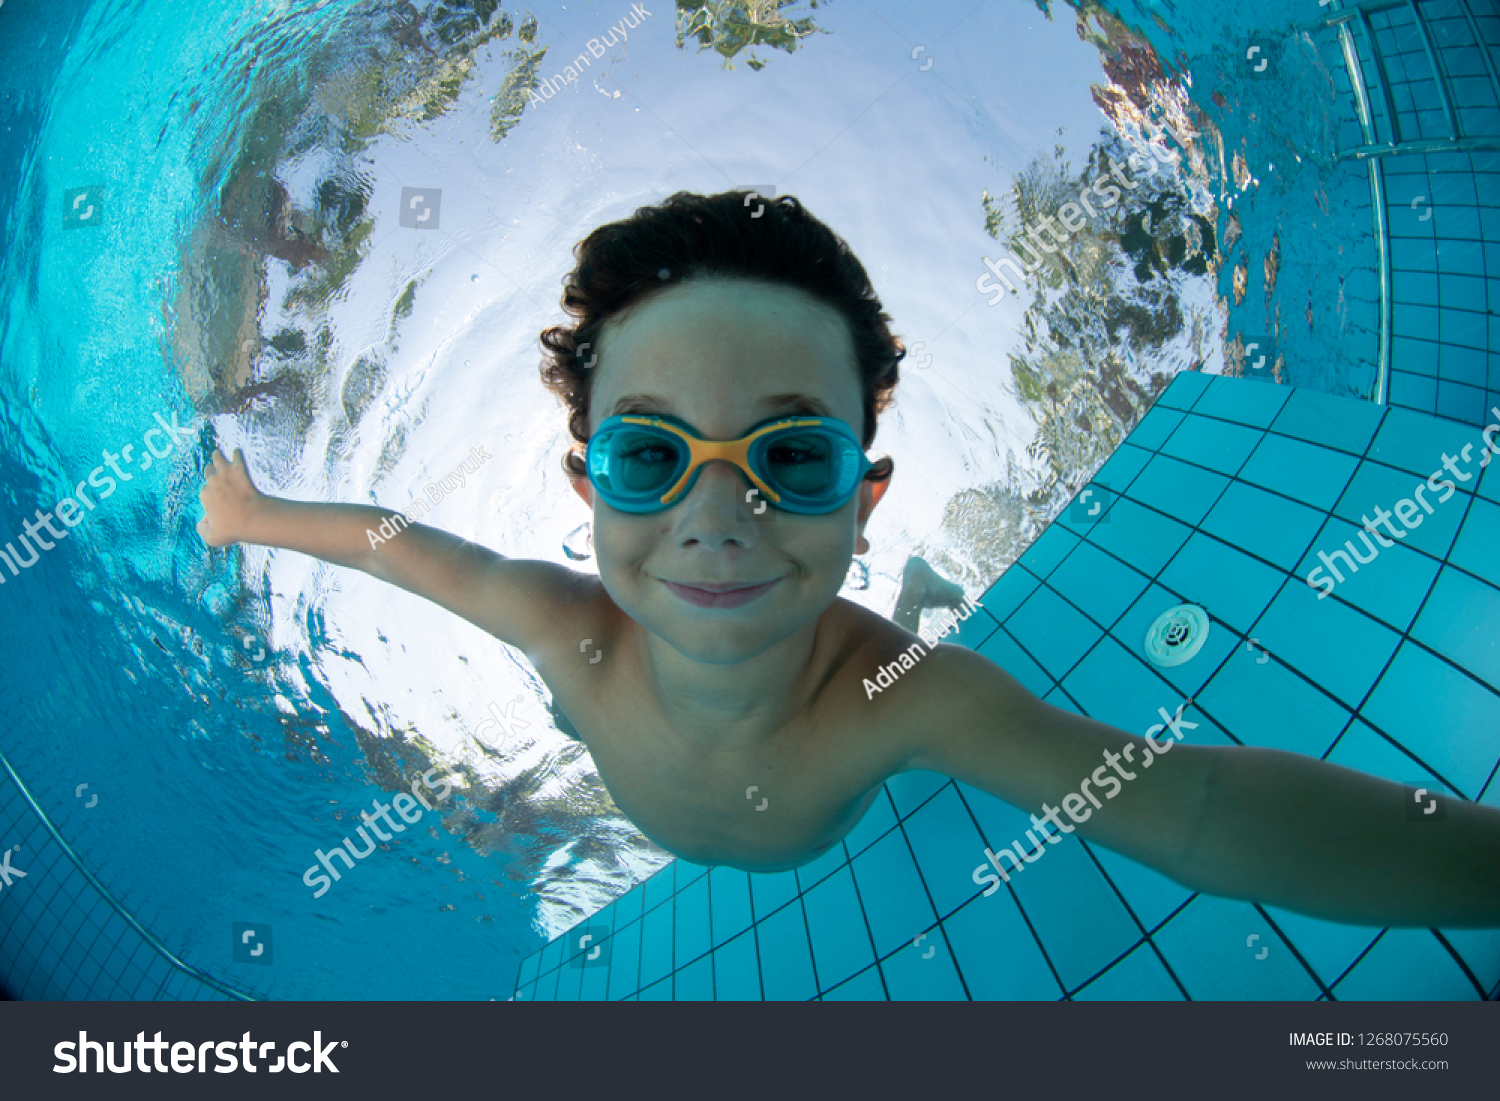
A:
[713,671]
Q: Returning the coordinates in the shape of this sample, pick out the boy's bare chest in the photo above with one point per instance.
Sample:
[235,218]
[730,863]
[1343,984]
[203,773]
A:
[770,808]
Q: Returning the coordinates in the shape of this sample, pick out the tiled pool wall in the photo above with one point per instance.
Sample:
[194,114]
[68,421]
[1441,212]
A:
[62,936]
[1421,86]
[1223,496]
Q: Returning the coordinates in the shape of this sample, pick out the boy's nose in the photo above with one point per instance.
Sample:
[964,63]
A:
[716,496]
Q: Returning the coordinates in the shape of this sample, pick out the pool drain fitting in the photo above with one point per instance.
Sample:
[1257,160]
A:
[1177,635]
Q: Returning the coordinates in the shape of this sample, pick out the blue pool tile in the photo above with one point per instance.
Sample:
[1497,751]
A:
[1338,648]
[1186,388]
[527,974]
[1116,686]
[659,888]
[1054,544]
[552,956]
[1178,489]
[1461,621]
[1489,479]
[688,874]
[1139,536]
[1089,508]
[1076,914]
[660,991]
[1468,366]
[786,967]
[1102,586]
[1415,357]
[1460,402]
[909,790]
[625,961]
[1139,977]
[1329,421]
[1445,718]
[1407,964]
[820,869]
[1480,950]
[879,820]
[1412,391]
[1328,947]
[1009,592]
[1477,548]
[1391,587]
[864,987]
[1003,650]
[695,983]
[1020,972]
[999,822]
[729,896]
[1315,476]
[895,902]
[1155,427]
[1262,703]
[971,631]
[924,972]
[737,970]
[1053,631]
[1206,947]
[1215,444]
[1392,501]
[1241,400]
[771,890]
[1414,443]
[1149,895]
[627,907]
[570,975]
[1122,467]
[1364,750]
[544,990]
[836,925]
[1231,585]
[1263,524]
[656,945]
[595,986]
[945,842]
[692,921]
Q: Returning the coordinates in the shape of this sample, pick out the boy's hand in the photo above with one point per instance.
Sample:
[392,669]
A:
[229,499]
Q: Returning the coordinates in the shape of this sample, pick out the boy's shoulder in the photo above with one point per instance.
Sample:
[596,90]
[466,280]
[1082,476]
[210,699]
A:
[890,680]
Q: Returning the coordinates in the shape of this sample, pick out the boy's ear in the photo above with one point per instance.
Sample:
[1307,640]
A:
[582,487]
[877,488]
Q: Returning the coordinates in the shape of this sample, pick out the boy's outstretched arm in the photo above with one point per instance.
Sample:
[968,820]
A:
[516,600]
[1241,822]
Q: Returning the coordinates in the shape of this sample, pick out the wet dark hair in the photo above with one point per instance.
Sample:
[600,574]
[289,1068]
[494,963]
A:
[687,237]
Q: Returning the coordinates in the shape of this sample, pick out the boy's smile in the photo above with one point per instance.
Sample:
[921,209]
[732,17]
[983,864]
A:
[729,593]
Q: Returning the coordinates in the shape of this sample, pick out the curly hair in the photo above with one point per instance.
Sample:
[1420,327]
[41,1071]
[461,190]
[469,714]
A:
[689,236]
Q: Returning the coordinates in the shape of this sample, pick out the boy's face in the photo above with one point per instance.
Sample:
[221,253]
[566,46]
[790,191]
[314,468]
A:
[721,356]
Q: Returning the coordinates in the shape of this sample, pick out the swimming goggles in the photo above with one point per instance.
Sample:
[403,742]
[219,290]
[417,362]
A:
[809,465]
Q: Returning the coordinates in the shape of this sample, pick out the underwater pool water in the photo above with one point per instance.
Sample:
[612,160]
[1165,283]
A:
[329,233]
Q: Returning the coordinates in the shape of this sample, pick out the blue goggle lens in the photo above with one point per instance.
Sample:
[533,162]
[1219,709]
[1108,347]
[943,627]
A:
[814,469]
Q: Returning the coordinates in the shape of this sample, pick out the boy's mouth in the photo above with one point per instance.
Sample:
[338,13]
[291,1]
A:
[720,596]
